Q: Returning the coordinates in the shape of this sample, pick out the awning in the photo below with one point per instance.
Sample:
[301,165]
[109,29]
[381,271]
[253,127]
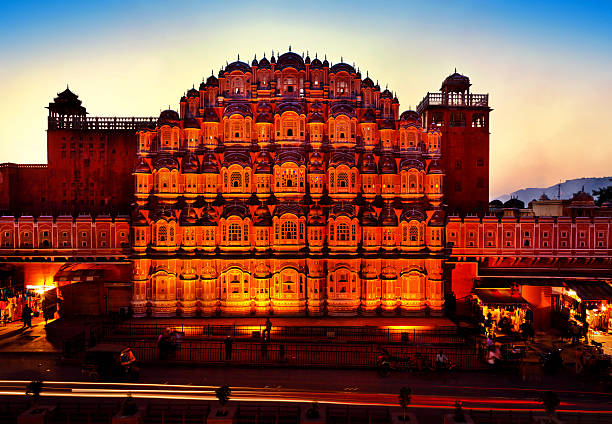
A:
[591,290]
[79,275]
[499,297]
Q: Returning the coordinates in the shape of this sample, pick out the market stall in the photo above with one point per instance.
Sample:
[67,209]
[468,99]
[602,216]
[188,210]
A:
[585,303]
[503,309]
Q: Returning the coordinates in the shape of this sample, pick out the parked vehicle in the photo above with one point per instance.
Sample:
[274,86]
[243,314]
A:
[110,362]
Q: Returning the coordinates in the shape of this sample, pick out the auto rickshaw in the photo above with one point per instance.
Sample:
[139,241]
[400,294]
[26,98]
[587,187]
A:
[110,362]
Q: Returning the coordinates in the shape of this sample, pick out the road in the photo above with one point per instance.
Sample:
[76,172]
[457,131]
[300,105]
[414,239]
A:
[478,391]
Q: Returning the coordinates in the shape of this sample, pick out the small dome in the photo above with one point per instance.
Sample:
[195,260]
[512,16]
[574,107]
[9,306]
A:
[369,117]
[412,214]
[388,165]
[209,166]
[288,207]
[342,209]
[325,63]
[193,93]
[212,81]
[437,219]
[368,217]
[342,157]
[264,163]
[410,116]
[210,116]
[455,83]
[235,209]
[190,164]
[315,216]
[307,60]
[167,117]
[166,161]
[202,85]
[339,67]
[582,196]
[368,164]
[264,63]
[188,217]
[386,94]
[367,83]
[254,62]
[262,217]
[142,167]
[411,162]
[290,60]
[316,163]
[316,118]
[435,167]
[238,66]
[206,219]
[191,123]
[388,218]
[386,124]
[316,64]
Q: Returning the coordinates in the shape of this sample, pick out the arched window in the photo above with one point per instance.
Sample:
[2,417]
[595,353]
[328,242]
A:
[236,179]
[289,230]
[342,180]
[343,232]
[414,234]
[235,232]
[162,233]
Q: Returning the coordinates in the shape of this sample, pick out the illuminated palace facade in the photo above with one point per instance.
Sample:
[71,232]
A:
[289,187]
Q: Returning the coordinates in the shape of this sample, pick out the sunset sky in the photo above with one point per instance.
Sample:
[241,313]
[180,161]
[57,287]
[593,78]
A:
[546,65]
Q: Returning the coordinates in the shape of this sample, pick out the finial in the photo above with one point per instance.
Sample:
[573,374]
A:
[455,69]
[264,55]
[239,57]
[367,74]
[67,88]
[289,47]
[316,55]
[255,58]
[212,72]
[341,59]
[272,53]
[307,53]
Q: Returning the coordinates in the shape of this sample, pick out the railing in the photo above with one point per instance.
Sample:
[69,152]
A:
[67,122]
[299,354]
[453,99]
[338,333]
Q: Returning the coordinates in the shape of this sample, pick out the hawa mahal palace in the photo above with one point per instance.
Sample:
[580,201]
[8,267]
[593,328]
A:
[286,186]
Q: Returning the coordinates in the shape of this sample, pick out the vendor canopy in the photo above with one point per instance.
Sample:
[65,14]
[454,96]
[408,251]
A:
[83,272]
[591,289]
[79,275]
[499,297]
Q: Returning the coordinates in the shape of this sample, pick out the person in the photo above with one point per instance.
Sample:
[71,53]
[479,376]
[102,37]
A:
[26,316]
[441,361]
[228,348]
[494,356]
[585,332]
[268,329]
[489,321]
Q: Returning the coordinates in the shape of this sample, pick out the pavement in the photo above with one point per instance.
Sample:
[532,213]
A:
[14,338]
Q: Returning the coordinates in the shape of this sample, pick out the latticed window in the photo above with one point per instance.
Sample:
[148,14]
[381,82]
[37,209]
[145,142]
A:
[411,138]
[289,230]
[236,179]
[342,180]
[342,130]
[171,233]
[166,134]
[289,178]
[246,232]
[162,233]
[343,232]
[235,232]
[246,179]
[414,233]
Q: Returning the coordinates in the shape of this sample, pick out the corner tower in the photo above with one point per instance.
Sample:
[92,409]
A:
[463,119]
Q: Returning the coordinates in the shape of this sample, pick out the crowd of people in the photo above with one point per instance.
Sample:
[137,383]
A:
[25,305]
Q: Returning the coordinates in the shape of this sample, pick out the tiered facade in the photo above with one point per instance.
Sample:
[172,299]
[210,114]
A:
[288,187]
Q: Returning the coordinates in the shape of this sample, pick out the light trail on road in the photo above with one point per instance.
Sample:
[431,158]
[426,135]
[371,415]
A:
[258,394]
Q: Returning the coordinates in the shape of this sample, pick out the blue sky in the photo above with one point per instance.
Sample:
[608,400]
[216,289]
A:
[544,64]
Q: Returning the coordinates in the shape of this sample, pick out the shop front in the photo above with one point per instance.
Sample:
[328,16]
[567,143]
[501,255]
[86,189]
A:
[501,310]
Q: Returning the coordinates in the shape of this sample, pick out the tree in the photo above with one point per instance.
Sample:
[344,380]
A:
[34,389]
[223,393]
[550,402]
[405,397]
[603,195]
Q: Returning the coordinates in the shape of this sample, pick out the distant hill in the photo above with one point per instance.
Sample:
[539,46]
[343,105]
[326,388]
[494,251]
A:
[568,188]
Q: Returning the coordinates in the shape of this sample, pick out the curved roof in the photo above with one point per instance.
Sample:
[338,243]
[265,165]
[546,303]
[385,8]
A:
[410,116]
[193,92]
[368,164]
[296,107]
[342,108]
[368,217]
[212,81]
[435,167]
[290,60]
[162,213]
[191,123]
[455,83]
[412,214]
[387,217]
[262,217]
[316,163]
[367,83]
[264,63]
[239,108]
[210,116]
[386,94]
[339,67]
[342,157]
[289,207]
[238,66]
[188,217]
[315,216]
[190,164]
[411,162]
[437,219]
[142,167]
[209,165]
[264,163]
[168,117]
[316,63]
[165,161]
[388,165]
[238,157]
[386,124]
[342,209]
[290,156]
[235,209]
[206,219]
[316,118]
